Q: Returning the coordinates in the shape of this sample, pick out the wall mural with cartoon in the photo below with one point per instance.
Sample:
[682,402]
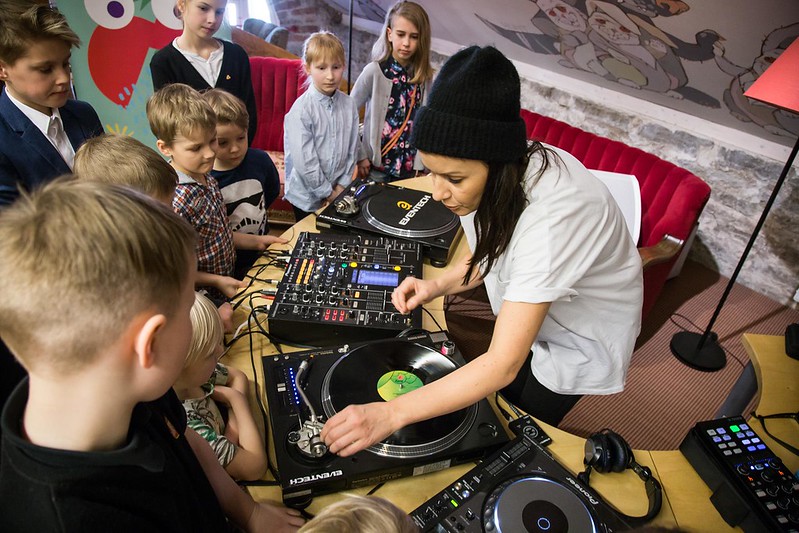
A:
[693,56]
[118,39]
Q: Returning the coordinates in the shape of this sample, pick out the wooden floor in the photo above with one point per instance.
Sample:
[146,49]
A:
[663,397]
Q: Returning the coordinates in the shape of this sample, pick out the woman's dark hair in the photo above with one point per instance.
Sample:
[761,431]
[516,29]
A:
[501,206]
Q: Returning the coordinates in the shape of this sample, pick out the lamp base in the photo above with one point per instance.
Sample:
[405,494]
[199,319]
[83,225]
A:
[709,358]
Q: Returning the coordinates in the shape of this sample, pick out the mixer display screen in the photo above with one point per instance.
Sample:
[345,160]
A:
[375,277]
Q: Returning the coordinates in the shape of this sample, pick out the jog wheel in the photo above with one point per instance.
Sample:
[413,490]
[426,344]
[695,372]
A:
[536,504]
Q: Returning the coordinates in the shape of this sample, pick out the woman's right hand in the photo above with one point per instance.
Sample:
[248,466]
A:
[412,293]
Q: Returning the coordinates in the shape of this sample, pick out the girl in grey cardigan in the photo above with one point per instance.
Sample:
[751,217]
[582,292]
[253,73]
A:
[393,87]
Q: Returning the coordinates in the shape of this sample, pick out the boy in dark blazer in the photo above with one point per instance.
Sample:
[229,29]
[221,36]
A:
[40,126]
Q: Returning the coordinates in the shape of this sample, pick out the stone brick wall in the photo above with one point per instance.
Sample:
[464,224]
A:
[304,17]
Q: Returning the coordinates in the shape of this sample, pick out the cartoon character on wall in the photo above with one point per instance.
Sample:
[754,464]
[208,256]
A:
[110,69]
[618,42]
[773,120]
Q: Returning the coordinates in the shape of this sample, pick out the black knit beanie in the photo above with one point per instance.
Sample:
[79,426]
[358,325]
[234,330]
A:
[473,109]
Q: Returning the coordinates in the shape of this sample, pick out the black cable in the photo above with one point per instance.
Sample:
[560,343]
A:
[375,488]
[434,319]
[261,407]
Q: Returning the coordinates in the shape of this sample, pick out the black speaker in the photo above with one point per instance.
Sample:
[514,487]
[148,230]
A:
[792,340]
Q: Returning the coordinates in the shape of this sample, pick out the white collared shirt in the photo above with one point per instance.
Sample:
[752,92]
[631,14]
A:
[207,68]
[47,125]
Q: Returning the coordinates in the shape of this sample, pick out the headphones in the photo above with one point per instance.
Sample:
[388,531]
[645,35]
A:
[607,451]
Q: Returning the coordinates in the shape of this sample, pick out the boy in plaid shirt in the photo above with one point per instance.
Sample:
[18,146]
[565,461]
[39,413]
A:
[185,126]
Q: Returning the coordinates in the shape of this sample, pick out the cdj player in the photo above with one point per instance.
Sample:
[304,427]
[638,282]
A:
[337,288]
[304,389]
[520,487]
[379,208]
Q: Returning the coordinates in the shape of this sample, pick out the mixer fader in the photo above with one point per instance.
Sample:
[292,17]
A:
[337,288]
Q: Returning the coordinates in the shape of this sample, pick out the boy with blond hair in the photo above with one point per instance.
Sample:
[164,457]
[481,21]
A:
[205,384]
[185,126]
[247,177]
[96,438]
[364,514]
[123,160]
[40,125]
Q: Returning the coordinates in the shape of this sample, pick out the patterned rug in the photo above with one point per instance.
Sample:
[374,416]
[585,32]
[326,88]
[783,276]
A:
[662,398]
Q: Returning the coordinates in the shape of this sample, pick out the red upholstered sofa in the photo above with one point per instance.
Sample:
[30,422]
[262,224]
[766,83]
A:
[277,82]
[672,198]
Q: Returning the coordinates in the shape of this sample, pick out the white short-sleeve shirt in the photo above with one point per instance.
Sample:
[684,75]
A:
[571,247]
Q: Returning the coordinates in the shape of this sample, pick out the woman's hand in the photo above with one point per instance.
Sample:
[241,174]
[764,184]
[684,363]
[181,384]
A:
[357,427]
[412,293]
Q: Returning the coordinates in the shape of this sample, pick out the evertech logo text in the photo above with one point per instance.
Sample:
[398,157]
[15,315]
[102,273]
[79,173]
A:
[413,210]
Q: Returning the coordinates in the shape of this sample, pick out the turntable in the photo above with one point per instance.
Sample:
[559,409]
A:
[384,209]
[306,388]
[518,488]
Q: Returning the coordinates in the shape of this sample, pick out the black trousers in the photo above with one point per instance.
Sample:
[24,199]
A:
[299,214]
[529,395]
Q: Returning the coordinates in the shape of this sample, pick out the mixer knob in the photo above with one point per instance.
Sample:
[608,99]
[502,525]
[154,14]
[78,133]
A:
[306,297]
[318,298]
[344,247]
[331,254]
[309,288]
[332,300]
[320,289]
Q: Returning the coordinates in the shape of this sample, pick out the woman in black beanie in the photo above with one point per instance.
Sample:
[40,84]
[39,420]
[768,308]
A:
[547,239]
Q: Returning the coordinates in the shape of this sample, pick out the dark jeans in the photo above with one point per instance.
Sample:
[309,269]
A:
[299,214]
[529,395]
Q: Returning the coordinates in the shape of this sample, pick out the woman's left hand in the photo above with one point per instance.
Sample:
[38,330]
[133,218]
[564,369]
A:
[357,427]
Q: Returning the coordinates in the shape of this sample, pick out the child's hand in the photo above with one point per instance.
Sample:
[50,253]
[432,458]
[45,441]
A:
[338,189]
[227,395]
[226,315]
[230,286]
[268,516]
[363,168]
[262,242]
[237,380]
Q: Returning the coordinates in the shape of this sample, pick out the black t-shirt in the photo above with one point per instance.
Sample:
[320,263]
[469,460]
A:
[153,483]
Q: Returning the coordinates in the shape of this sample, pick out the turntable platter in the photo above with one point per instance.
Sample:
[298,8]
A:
[386,369]
[408,213]
[536,504]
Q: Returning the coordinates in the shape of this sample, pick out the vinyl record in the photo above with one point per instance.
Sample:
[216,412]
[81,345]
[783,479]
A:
[382,370]
[536,504]
[408,213]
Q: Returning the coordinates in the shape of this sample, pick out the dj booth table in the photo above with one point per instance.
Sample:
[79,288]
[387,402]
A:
[686,502]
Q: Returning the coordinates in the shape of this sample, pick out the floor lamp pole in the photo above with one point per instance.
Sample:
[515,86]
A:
[349,53]
[702,351]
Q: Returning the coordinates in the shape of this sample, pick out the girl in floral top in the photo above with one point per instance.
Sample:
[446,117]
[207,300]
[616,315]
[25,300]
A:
[393,88]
